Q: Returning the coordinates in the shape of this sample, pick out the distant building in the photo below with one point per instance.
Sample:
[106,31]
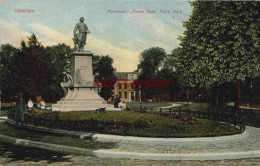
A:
[124,87]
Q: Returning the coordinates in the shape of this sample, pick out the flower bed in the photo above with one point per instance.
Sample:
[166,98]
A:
[129,123]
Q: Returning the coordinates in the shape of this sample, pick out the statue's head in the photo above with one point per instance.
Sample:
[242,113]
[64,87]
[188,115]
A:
[81,19]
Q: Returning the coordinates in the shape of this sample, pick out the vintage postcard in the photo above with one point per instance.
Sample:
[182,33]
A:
[129,82]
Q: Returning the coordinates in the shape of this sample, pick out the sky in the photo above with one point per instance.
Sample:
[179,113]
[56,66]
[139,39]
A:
[123,36]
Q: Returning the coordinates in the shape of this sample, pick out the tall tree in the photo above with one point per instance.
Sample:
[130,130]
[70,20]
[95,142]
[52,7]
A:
[104,69]
[31,74]
[151,61]
[7,68]
[220,44]
[58,61]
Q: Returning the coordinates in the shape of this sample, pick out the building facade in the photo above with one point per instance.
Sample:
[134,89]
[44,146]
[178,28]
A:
[124,86]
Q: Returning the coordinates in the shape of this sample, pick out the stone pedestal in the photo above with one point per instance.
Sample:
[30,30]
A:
[82,95]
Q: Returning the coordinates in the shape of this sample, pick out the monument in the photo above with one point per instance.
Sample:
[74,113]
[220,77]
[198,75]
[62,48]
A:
[80,94]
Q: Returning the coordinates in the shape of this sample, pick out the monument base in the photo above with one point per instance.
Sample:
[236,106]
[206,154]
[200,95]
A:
[82,99]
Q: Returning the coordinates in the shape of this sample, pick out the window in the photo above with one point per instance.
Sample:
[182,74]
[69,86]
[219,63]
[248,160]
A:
[120,86]
[119,94]
[132,86]
[131,77]
[125,95]
[125,86]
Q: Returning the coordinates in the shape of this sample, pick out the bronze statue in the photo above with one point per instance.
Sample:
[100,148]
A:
[80,37]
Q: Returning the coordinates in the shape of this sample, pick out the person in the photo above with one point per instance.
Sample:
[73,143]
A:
[30,104]
[12,111]
[122,105]
[42,104]
[20,108]
[81,37]
[117,100]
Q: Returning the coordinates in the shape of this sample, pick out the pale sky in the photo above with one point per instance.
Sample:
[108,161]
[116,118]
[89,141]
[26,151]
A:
[123,36]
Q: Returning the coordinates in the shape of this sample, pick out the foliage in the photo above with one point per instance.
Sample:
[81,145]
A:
[31,74]
[7,70]
[58,61]
[156,64]
[220,44]
[104,69]
[95,61]
[151,60]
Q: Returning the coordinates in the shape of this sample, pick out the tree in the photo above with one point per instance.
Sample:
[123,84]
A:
[151,61]
[174,87]
[58,61]
[105,71]
[220,44]
[7,68]
[95,61]
[31,74]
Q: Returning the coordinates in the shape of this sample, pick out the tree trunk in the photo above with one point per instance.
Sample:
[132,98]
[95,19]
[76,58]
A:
[221,100]
[250,98]
[214,95]
[250,94]
[237,96]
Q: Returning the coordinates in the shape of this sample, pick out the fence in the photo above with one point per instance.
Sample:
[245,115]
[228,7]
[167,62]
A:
[228,115]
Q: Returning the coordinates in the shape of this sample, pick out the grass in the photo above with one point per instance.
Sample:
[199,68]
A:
[18,132]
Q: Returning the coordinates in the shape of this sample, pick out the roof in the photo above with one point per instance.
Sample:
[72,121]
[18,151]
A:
[123,75]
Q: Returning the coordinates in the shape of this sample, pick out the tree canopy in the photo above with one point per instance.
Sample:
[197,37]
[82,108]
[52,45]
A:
[220,43]
[151,60]
[7,70]
[58,61]
[31,74]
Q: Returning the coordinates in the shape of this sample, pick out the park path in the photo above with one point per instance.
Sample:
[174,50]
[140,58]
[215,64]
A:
[250,143]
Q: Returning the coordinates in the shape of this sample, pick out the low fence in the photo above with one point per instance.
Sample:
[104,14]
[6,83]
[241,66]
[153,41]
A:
[240,119]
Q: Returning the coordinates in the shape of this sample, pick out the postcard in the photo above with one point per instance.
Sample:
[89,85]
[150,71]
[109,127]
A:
[129,82]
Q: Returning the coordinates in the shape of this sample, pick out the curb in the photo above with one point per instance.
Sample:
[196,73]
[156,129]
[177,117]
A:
[189,156]
[167,141]
[137,140]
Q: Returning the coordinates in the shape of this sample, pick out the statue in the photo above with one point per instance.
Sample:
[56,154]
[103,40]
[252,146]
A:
[80,37]
[68,82]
